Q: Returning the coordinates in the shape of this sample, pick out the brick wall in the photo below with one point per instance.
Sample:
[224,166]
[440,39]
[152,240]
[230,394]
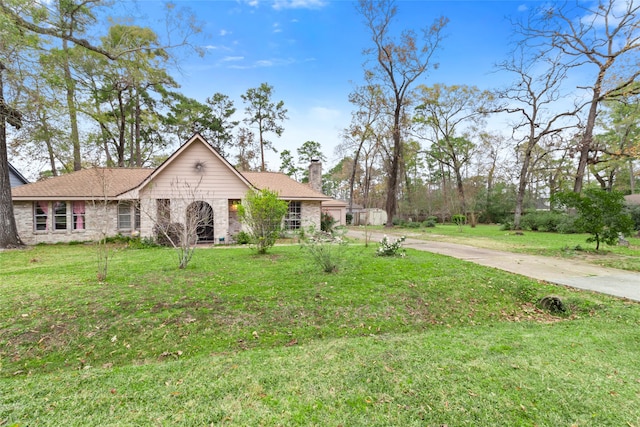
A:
[98,218]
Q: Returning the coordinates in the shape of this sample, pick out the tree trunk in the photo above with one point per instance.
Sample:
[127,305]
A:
[352,178]
[522,185]
[71,105]
[8,231]
[137,132]
[121,130]
[587,138]
[392,184]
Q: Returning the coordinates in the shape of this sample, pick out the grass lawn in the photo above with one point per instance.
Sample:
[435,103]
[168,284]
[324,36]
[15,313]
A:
[239,339]
[532,242]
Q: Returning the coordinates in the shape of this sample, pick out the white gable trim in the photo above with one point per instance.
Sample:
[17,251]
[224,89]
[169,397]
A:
[196,138]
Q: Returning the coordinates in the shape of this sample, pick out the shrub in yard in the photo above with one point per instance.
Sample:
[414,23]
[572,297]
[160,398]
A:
[599,213]
[542,221]
[567,225]
[327,222]
[262,212]
[389,248]
[430,222]
[242,238]
[634,212]
[506,226]
[325,249]
[411,224]
[459,220]
[349,218]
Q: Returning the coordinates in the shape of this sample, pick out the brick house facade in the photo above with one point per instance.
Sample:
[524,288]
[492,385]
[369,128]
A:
[85,205]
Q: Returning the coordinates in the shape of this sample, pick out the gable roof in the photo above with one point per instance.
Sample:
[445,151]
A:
[286,187]
[17,175]
[95,183]
[98,183]
[196,138]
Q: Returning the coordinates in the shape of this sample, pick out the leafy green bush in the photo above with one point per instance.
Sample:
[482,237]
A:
[327,222]
[388,248]
[412,224]
[567,225]
[143,243]
[430,222]
[541,221]
[506,226]
[349,218]
[600,213]
[459,220]
[262,212]
[242,238]
[634,212]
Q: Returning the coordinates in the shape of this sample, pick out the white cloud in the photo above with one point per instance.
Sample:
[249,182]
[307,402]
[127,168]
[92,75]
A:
[232,58]
[522,8]
[264,63]
[619,10]
[276,28]
[299,4]
[224,32]
[325,114]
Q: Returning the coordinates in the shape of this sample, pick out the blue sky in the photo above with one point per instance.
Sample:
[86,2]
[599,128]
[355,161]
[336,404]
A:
[310,51]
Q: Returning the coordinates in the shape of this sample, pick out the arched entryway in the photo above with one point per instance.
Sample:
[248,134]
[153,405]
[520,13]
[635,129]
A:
[200,218]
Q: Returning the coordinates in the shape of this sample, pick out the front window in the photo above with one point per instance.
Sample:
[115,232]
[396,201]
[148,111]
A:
[128,216]
[60,216]
[293,219]
[78,215]
[41,216]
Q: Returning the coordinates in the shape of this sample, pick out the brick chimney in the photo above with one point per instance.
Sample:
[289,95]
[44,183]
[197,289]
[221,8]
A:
[315,175]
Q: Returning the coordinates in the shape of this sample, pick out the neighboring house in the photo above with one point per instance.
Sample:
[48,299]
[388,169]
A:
[87,204]
[15,177]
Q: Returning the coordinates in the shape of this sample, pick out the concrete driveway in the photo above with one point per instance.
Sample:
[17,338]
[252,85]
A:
[577,274]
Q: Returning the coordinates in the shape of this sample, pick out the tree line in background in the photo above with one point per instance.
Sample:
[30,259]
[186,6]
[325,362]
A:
[414,149]
[422,150]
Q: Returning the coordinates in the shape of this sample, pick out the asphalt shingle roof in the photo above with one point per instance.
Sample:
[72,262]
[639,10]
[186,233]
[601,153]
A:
[286,187]
[84,184]
[110,182]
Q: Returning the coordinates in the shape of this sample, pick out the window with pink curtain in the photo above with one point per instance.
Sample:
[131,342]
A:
[78,215]
[41,216]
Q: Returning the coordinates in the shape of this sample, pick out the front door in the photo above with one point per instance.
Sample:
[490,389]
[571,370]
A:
[200,219]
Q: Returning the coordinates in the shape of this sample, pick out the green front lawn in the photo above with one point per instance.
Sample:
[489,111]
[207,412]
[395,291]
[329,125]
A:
[240,339]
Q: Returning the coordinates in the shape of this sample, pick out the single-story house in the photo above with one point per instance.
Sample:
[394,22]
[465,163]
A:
[15,177]
[96,202]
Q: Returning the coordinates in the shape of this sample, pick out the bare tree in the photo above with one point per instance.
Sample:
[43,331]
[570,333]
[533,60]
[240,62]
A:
[398,63]
[604,36]
[534,97]
[194,219]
